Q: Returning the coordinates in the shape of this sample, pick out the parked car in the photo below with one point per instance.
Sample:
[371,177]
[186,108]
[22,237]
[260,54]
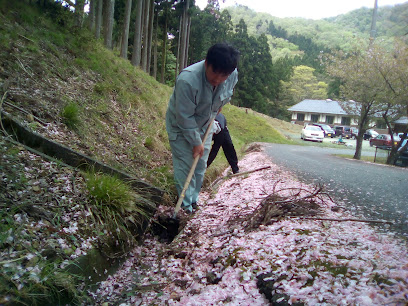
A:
[347,132]
[327,130]
[312,132]
[384,140]
[343,131]
[402,159]
[370,134]
[354,132]
[400,135]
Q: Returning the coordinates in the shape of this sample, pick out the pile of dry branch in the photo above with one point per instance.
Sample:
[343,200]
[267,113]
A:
[283,203]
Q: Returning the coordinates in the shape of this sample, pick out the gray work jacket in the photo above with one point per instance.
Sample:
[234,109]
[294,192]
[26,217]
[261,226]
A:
[194,103]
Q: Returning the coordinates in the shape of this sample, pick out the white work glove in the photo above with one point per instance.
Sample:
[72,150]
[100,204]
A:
[217,127]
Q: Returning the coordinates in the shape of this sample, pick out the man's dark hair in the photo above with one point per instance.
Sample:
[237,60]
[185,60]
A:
[223,58]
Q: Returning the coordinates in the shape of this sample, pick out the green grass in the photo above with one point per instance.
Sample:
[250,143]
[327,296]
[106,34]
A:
[42,284]
[120,211]
[378,160]
[110,191]
[246,127]
[70,115]
[164,178]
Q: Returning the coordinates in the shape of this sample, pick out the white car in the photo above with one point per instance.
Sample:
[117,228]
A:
[311,132]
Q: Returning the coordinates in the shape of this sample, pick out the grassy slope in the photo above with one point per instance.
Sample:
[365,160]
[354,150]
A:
[119,109]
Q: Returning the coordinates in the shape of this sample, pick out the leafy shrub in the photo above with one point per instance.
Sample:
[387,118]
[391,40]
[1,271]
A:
[70,115]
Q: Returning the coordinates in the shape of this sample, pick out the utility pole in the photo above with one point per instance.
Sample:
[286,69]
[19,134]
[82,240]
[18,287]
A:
[373,22]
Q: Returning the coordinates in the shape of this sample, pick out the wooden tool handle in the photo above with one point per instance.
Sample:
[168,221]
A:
[192,169]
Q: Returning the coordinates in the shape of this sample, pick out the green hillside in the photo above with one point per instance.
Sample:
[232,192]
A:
[391,20]
[335,32]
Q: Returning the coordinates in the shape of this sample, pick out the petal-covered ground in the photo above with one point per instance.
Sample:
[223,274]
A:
[219,259]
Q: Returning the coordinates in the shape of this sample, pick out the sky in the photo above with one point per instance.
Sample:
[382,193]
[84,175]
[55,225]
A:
[311,9]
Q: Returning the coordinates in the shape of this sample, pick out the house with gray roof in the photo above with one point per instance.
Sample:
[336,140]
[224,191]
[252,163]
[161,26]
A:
[321,111]
[401,124]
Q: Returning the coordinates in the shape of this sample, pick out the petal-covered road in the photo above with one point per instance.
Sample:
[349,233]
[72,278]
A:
[216,260]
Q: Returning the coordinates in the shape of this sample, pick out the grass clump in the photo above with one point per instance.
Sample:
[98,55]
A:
[120,212]
[149,143]
[70,115]
[109,191]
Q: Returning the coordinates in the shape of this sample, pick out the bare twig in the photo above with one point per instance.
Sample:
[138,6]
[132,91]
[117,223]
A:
[11,260]
[26,38]
[316,193]
[299,202]
[24,111]
[148,287]
[237,174]
[343,220]
[22,66]
[247,172]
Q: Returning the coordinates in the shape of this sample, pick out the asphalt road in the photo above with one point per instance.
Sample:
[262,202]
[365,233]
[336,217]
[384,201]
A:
[367,190]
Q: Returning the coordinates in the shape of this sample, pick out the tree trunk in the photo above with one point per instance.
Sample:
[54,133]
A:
[183,34]
[393,152]
[362,127]
[359,140]
[164,47]
[187,41]
[150,36]
[92,15]
[137,41]
[359,144]
[145,48]
[108,30]
[79,12]
[176,72]
[125,32]
[98,21]
[155,45]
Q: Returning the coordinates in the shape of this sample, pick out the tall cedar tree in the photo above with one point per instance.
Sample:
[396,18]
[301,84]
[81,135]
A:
[98,18]
[108,13]
[137,40]
[125,30]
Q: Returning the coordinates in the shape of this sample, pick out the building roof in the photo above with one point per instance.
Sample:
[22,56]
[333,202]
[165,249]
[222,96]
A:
[318,106]
[402,120]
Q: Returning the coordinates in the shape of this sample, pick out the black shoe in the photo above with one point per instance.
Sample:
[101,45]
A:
[194,206]
[188,212]
[235,172]
[187,209]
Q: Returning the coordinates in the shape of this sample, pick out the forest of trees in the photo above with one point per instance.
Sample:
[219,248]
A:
[164,36]
[281,60]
